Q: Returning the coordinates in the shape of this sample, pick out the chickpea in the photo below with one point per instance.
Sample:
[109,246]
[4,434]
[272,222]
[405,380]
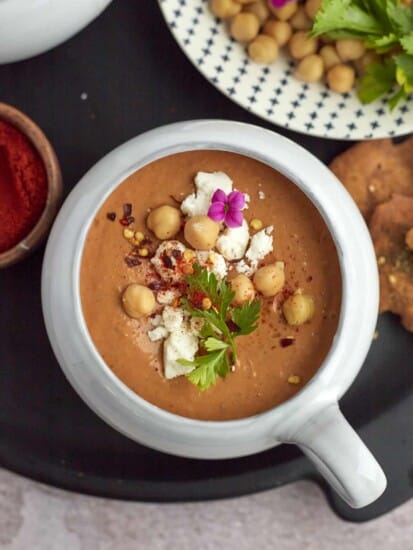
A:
[298,309]
[164,221]
[270,279]
[244,27]
[330,56]
[409,239]
[224,8]
[340,78]
[312,7]
[244,290]
[301,45]
[365,60]
[263,49]
[350,50]
[286,12]
[201,232]
[138,301]
[280,30]
[300,20]
[260,9]
[310,68]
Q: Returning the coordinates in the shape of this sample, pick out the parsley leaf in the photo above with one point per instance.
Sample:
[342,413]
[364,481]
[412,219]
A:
[378,80]
[347,17]
[246,317]
[386,26]
[207,367]
[222,324]
[407,43]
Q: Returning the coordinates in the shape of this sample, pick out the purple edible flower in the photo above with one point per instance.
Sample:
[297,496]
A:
[227,208]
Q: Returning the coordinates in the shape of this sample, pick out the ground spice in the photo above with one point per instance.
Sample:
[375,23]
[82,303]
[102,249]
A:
[23,186]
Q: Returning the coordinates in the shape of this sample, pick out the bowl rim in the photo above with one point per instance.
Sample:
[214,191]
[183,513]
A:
[119,402]
[38,139]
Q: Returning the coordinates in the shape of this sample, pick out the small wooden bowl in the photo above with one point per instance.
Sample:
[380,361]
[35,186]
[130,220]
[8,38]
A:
[54,179]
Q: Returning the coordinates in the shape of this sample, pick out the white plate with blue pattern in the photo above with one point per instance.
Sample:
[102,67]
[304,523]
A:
[271,92]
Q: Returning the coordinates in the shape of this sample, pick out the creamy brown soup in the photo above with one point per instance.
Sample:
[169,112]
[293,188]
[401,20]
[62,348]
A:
[267,361]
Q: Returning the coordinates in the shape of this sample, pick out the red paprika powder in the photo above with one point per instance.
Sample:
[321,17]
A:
[23,186]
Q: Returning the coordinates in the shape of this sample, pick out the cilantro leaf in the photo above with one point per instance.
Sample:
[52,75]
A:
[378,80]
[246,317]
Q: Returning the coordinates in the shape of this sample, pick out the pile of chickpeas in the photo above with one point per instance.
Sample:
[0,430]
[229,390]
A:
[265,29]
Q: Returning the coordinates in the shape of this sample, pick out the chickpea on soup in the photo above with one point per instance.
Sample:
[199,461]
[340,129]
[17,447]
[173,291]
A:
[210,285]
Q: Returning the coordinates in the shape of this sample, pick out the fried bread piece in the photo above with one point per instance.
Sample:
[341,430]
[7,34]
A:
[391,228]
[373,170]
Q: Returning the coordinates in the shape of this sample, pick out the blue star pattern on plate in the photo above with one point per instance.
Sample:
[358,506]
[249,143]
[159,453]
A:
[271,92]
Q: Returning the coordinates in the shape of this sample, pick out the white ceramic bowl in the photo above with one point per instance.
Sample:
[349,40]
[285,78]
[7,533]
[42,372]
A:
[312,418]
[31,27]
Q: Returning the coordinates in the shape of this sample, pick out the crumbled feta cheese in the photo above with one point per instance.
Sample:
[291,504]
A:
[261,195]
[244,268]
[213,262]
[206,183]
[165,263]
[156,321]
[247,201]
[261,244]
[158,333]
[180,344]
[233,242]
[196,324]
[166,297]
[173,318]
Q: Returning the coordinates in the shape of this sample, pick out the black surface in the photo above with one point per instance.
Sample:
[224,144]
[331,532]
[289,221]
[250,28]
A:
[136,78]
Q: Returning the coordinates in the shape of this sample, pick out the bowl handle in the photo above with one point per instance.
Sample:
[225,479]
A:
[341,457]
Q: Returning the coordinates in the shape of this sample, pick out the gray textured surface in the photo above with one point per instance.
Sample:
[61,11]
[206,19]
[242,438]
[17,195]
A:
[295,517]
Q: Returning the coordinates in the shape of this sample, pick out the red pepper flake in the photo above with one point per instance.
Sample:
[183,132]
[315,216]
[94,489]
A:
[196,298]
[167,261]
[157,285]
[285,342]
[177,254]
[233,327]
[132,261]
[111,216]
[309,279]
[127,210]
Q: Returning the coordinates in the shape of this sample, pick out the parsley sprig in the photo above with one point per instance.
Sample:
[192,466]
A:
[385,26]
[223,322]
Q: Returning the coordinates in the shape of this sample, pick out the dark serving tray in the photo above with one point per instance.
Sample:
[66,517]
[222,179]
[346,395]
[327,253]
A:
[136,78]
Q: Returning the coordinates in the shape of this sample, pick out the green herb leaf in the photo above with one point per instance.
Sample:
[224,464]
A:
[398,96]
[400,16]
[384,26]
[346,16]
[217,338]
[207,368]
[246,317]
[407,43]
[382,44]
[378,80]
[212,344]
[404,71]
